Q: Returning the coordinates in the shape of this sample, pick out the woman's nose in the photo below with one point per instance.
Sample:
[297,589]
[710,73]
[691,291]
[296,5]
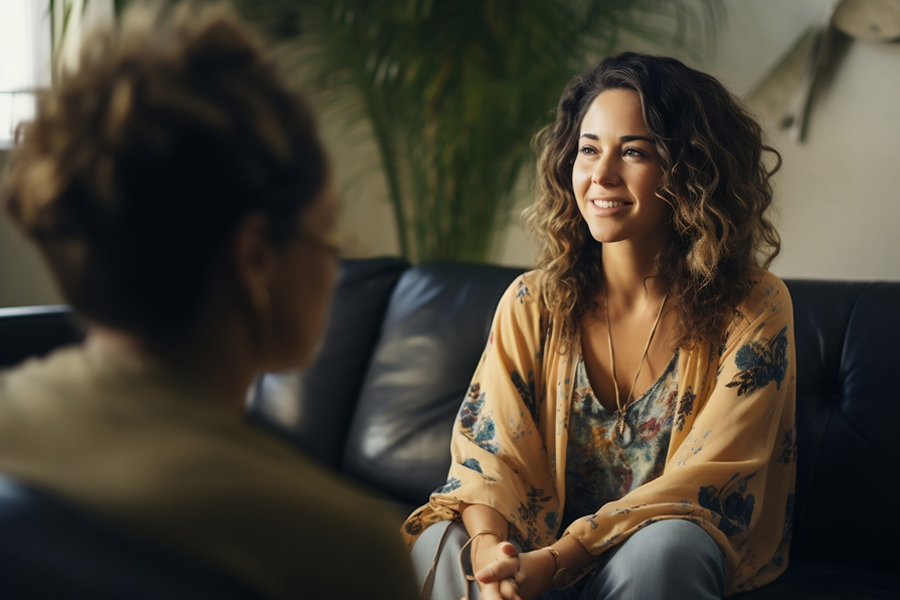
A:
[607,173]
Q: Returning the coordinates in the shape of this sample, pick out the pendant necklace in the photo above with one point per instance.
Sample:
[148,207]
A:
[624,435]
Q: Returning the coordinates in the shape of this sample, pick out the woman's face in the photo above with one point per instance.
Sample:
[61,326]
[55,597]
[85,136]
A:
[305,281]
[617,172]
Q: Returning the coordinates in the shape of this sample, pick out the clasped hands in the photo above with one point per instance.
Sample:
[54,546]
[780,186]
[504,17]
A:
[503,573]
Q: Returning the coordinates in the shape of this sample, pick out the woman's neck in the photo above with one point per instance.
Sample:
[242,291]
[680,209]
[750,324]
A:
[630,278]
[214,367]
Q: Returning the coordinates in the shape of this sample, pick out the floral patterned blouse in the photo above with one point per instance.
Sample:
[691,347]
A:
[730,465]
[602,466]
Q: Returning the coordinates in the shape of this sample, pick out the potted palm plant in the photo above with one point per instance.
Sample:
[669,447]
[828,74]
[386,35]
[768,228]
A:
[453,91]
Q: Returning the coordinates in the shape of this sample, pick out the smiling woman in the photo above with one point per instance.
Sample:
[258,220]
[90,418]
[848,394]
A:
[628,414]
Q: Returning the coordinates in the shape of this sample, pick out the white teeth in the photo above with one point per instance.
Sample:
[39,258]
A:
[606,204]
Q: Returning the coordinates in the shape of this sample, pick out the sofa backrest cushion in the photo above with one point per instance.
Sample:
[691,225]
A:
[848,415]
[313,407]
[28,331]
[433,336]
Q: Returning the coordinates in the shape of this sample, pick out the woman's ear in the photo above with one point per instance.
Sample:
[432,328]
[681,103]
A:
[254,260]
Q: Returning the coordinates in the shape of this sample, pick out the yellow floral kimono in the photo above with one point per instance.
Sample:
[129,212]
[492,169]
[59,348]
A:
[730,466]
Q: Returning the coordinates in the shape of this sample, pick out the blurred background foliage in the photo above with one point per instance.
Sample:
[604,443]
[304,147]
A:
[454,90]
[59,15]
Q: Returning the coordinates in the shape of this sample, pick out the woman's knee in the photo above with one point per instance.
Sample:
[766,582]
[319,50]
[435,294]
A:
[676,543]
[667,556]
[437,540]
[436,552]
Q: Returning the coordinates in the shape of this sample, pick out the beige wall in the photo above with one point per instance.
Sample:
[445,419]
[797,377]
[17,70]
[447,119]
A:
[23,276]
[837,192]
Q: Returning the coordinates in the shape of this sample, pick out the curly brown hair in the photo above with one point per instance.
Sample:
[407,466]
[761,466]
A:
[714,179]
[139,165]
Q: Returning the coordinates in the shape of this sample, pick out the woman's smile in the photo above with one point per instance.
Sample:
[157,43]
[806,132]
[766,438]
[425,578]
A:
[606,207]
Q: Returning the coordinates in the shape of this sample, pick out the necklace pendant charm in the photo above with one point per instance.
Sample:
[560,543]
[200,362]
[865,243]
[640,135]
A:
[625,436]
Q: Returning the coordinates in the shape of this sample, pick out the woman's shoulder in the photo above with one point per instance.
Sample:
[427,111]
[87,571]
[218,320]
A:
[768,300]
[522,302]
[530,282]
[768,289]
[525,292]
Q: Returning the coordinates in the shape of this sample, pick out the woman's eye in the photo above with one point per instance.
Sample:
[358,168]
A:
[586,150]
[633,152]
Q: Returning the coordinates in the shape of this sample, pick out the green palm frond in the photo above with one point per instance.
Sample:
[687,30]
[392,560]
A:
[58,35]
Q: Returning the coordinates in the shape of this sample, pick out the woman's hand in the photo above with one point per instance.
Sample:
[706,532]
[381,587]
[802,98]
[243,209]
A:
[496,555]
[514,576]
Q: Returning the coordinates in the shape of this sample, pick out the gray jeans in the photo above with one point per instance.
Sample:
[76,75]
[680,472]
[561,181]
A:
[672,559]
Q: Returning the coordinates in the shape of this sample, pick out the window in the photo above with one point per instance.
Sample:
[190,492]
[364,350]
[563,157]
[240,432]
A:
[25,51]
[24,47]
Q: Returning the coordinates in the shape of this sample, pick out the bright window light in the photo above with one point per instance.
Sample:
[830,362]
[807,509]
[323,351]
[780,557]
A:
[20,22]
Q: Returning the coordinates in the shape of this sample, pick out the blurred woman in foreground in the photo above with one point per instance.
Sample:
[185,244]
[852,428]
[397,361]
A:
[182,199]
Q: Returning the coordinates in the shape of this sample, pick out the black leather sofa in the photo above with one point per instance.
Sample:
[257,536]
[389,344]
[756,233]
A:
[403,341]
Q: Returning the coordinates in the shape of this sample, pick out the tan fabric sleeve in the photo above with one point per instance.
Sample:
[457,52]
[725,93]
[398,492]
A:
[499,457]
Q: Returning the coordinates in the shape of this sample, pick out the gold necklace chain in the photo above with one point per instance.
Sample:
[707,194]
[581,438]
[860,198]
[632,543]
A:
[623,407]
